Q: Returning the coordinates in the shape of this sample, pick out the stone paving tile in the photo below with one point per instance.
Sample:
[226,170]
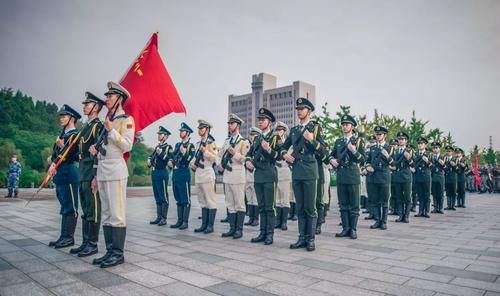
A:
[444,288]
[281,265]
[17,256]
[4,265]
[130,289]
[30,288]
[75,266]
[371,248]
[341,290]
[33,265]
[486,277]
[12,277]
[379,266]
[424,275]
[233,289]
[242,266]
[336,277]
[158,266]
[483,268]
[101,278]
[472,283]
[77,288]
[394,289]
[295,279]
[208,258]
[52,278]
[147,278]
[376,275]
[282,289]
[323,265]
[183,289]
[195,278]
[24,242]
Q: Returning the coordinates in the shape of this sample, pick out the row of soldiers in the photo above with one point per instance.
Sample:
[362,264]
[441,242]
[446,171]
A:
[100,179]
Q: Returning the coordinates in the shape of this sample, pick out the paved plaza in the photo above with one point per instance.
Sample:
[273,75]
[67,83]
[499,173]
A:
[453,254]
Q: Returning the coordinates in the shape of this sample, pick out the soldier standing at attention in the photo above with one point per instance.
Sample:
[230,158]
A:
[66,176]
[402,177]
[438,164]
[158,161]
[378,161]
[112,174]
[232,158]
[90,200]
[13,174]
[370,205]
[450,178]
[321,159]
[346,155]
[422,173]
[253,208]
[306,142]
[393,201]
[462,167]
[284,182]
[261,157]
[181,177]
[201,164]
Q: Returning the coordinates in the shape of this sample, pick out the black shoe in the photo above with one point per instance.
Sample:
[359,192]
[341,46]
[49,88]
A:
[370,217]
[211,220]
[260,238]
[93,237]
[377,216]
[106,229]
[279,214]
[204,220]
[293,215]
[301,243]
[68,231]
[284,219]
[90,249]
[231,218]
[311,246]
[353,223]
[180,212]
[346,229]
[269,239]
[240,217]
[383,222]
[158,215]
[255,221]
[15,194]
[8,195]
[163,214]
[118,243]
[251,213]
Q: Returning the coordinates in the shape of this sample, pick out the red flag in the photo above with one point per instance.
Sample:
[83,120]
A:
[152,92]
[476,168]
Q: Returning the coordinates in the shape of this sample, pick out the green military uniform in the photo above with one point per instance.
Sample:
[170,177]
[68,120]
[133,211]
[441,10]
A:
[321,158]
[370,205]
[265,179]
[381,179]
[305,175]
[393,201]
[437,186]
[402,179]
[421,164]
[462,167]
[90,202]
[348,179]
[450,178]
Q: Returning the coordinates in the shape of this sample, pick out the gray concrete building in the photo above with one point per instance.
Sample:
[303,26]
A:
[280,100]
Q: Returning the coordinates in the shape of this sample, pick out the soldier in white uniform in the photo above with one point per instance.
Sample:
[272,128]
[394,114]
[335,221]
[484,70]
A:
[201,164]
[252,205]
[112,174]
[284,182]
[232,159]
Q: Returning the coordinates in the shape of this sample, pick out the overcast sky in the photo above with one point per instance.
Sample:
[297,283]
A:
[440,57]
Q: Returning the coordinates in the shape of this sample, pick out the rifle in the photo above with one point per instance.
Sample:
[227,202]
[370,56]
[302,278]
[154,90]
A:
[199,156]
[178,156]
[227,160]
[343,159]
[153,156]
[299,143]
[61,157]
[257,150]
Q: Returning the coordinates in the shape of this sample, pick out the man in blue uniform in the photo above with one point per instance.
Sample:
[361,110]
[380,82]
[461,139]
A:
[181,178]
[13,174]
[158,161]
[66,176]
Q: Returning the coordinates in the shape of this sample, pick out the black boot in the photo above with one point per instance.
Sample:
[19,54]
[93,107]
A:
[262,234]
[8,195]
[106,229]
[363,202]
[453,201]
[231,218]
[402,213]
[164,212]
[353,223]
[240,217]
[293,213]
[310,233]
[370,215]
[53,243]
[270,222]
[383,222]
[180,212]
[93,237]
[255,216]
[85,238]
[185,217]
[279,214]
[301,242]
[319,222]
[204,220]
[284,218]
[16,193]
[463,201]
[377,217]
[406,217]
[68,232]
[118,243]
[346,226]
[158,215]
[250,215]
[211,220]
[426,209]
